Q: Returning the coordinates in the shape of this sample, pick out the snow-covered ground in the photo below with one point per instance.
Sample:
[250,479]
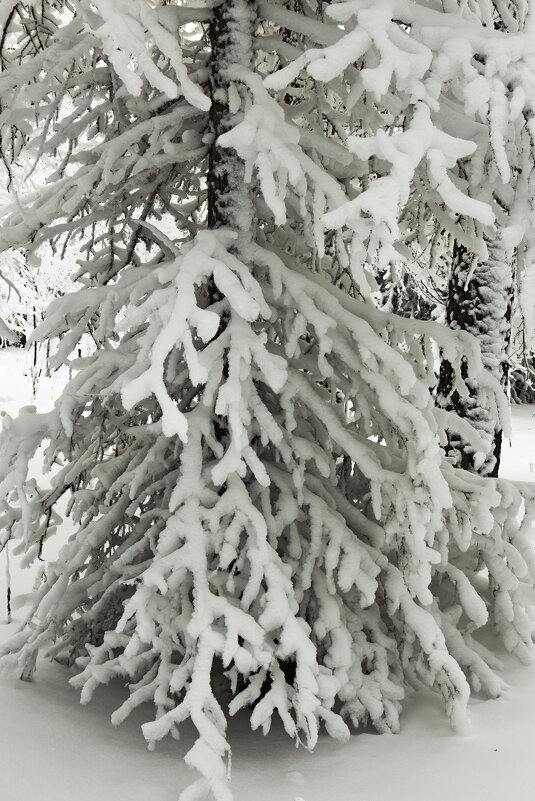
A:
[53,749]
[518,455]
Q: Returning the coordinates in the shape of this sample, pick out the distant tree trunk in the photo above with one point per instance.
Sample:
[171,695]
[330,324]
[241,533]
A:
[480,302]
[8,583]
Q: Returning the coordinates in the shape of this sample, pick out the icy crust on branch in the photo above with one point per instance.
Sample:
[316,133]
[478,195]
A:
[320,536]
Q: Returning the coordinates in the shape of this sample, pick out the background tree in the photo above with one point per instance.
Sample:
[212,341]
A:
[252,452]
[481,290]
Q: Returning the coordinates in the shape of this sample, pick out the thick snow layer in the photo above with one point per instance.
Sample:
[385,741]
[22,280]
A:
[53,749]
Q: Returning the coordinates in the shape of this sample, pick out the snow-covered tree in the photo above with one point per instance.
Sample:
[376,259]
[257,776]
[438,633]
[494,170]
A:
[252,453]
[27,287]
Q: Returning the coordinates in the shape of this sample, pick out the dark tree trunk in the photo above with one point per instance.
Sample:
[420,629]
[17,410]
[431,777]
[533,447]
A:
[480,302]
[229,199]
[231,37]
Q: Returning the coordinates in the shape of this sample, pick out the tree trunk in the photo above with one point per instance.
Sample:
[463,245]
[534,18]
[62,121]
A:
[480,302]
[231,38]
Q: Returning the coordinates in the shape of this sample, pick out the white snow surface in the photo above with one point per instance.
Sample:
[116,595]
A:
[54,749]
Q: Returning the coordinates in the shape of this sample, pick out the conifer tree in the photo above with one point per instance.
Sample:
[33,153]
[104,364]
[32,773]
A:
[251,452]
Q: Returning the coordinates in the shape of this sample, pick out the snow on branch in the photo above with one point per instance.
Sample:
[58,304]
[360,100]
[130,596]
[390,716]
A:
[122,28]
